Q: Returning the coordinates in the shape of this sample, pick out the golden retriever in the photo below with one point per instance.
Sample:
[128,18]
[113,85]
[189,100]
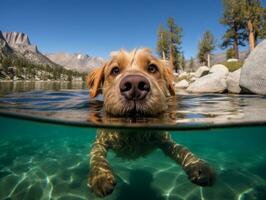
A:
[136,84]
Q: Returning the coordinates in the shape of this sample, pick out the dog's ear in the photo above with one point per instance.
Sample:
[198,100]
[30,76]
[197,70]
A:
[95,80]
[169,77]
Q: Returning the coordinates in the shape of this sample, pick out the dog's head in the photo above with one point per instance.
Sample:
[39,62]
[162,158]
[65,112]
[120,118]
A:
[132,83]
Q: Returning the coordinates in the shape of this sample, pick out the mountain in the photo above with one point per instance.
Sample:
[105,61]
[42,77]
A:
[21,46]
[78,62]
[4,47]
[19,41]
[20,60]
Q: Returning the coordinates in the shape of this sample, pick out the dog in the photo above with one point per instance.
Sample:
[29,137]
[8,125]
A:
[136,84]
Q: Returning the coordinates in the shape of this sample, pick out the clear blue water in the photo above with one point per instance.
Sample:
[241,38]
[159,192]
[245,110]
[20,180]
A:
[46,136]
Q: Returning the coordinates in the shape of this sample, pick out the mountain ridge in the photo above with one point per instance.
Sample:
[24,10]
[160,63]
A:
[77,61]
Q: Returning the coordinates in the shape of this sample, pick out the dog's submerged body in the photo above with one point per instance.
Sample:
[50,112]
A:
[136,84]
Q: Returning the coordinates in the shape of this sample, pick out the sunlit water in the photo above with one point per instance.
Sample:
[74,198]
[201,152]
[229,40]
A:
[46,133]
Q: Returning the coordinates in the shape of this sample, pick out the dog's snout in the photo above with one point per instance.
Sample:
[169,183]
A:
[134,87]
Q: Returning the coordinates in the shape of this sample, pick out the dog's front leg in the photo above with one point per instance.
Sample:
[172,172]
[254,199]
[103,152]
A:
[198,171]
[101,178]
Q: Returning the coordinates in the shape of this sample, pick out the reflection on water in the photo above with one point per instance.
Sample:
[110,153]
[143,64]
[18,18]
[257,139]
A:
[69,102]
[11,87]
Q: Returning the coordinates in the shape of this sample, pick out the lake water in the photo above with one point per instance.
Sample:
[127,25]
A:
[47,131]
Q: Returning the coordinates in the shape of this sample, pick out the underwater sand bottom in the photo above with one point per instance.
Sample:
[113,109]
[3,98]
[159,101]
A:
[58,169]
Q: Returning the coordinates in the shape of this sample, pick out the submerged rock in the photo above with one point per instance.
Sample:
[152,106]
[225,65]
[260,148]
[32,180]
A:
[253,73]
[233,82]
[215,81]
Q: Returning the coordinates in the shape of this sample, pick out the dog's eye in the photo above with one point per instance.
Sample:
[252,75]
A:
[152,68]
[115,71]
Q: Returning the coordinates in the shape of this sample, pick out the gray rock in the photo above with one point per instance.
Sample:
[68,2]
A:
[3,75]
[213,82]
[219,69]
[232,60]
[202,71]
[183,75]
[19,41]
[253,73]
[182,84]
[21,47]
[232,82]
[5,49]
[207,84]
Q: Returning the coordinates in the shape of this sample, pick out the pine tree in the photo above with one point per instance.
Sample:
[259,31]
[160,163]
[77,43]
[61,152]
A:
[206,46]
[169,43]
[230,53]
[163,43]
[233,18]
[175,35]
[182,61]
[254,20]
[191,64]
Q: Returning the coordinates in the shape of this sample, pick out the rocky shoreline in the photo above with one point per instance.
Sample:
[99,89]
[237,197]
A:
[249,79]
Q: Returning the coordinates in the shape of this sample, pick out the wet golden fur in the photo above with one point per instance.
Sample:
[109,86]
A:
[128,143]
[134,62]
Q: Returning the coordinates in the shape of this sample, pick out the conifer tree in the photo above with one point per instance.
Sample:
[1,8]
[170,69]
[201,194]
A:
[191,64]
[169,43]
[163,43]
[254,19]
[206,46]
[232,18]
[175,35]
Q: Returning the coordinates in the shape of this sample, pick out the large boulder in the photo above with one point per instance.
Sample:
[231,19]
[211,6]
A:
[219,69]
[202,71]
[233,82]
[215,81]
[182,84]
[253,73]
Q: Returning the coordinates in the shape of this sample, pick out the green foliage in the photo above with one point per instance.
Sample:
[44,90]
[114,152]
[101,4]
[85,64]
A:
[206,46]
[230,53]
[232,18]
[182,61]
[263,32]
[175,35]
[191,65]
[254,13]
[27,70]
[169,43]
[163,43]
[232,66]
[242,19]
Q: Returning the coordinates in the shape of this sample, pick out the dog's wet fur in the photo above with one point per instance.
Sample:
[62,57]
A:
[133,84]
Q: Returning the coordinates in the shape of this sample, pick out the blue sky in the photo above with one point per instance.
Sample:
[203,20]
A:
[99,27]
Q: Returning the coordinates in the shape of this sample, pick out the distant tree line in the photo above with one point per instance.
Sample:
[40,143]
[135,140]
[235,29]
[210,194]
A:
[22,69]
[245,21]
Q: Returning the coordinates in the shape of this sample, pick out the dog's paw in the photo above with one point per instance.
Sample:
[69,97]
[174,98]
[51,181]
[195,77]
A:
[102,184]
[201,174]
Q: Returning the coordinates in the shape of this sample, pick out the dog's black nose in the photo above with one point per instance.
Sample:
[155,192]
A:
[134,87]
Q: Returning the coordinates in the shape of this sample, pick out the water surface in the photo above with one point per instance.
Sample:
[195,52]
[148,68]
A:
[69,102]
[47,158]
